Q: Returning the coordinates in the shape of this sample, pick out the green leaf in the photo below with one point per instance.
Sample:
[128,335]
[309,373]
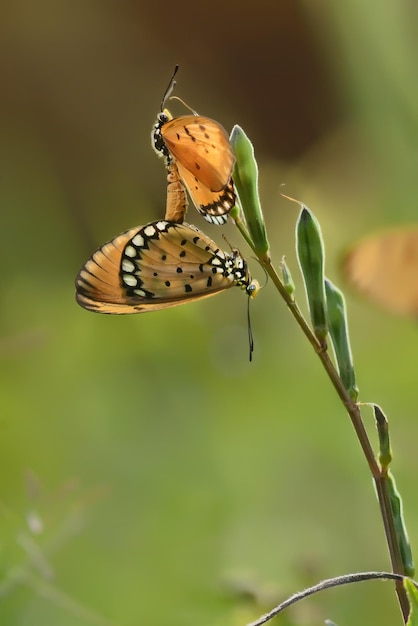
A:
[412,593]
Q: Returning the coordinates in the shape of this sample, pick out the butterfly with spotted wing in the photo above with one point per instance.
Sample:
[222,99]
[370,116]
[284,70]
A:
[156,266]
[200,150]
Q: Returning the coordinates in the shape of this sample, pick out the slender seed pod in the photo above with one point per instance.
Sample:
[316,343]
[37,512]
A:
[400,528]
[338,330]
[310,251]
[382,425]
[245,175]
[288,283]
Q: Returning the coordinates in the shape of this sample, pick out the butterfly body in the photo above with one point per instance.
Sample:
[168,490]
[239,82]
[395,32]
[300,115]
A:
[156,266]
[176,206]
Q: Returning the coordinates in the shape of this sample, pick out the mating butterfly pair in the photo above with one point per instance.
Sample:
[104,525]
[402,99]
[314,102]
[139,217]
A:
[167,263]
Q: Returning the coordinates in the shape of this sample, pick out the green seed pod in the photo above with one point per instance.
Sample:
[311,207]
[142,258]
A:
[338,329]
[382,425]
[245,176]
[400,528]
[288,283]
[310,251]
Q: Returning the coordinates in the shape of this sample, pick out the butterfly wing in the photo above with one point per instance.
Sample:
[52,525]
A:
[153,267]
[213,205]
[201,146]
[385,268]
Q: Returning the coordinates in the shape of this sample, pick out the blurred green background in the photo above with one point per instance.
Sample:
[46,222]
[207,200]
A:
[149,473]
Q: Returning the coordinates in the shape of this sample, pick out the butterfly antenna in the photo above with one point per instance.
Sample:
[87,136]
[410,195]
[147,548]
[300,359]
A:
[233,249]
[169,90]
[264,270]
[184,104]
[250,330]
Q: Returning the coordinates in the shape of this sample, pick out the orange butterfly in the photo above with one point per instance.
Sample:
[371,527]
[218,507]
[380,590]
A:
[384,266]
[200,149]
[156,266]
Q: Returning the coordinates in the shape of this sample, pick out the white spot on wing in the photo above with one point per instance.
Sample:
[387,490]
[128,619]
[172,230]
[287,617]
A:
[149,232]
[127,265]
[129,280]
[130,251]
[138,240]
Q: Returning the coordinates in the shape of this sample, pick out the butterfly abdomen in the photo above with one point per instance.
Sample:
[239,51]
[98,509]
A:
[176,207]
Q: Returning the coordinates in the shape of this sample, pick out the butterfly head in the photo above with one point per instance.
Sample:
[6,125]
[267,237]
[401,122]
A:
[157,140]
[253,288]
[239,270]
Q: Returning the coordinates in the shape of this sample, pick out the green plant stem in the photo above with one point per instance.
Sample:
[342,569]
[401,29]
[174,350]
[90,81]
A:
[322,586]
[356,419]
